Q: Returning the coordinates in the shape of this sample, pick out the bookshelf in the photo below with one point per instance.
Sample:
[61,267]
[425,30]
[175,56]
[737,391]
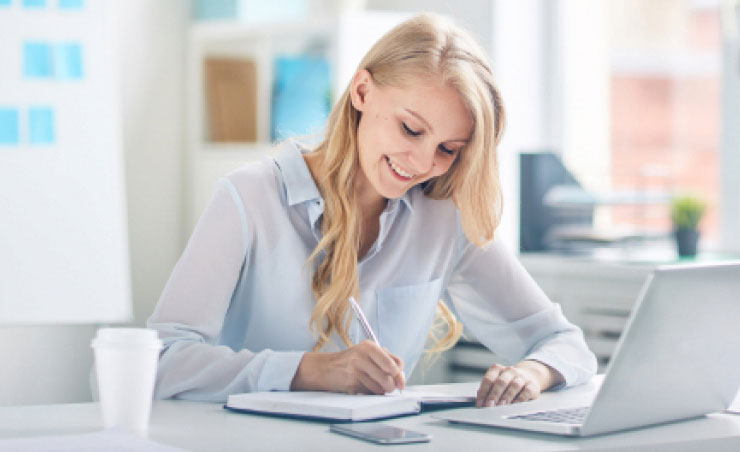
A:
[341,39]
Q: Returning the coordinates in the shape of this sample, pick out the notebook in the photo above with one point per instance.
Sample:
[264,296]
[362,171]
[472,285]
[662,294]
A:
[338,407]
[676,359]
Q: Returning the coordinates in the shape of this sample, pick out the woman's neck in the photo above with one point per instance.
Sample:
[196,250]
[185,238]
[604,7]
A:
[370,203]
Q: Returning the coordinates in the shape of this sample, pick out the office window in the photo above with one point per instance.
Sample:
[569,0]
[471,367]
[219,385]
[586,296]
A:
[641,108]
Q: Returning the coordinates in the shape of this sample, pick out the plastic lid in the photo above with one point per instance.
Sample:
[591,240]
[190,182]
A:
[130,337]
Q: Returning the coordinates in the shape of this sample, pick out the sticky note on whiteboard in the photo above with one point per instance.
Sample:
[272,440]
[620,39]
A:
[68,61]
[37,60]
[4,2]
[40,125]
[71,4]
[34,3]
[8,126]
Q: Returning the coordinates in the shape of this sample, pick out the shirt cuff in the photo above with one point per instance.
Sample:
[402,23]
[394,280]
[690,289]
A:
[569,379]
[278,371]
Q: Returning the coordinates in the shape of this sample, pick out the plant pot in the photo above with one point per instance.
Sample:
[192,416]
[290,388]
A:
[686,240]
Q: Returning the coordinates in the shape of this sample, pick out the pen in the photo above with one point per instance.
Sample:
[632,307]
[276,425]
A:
[364,323]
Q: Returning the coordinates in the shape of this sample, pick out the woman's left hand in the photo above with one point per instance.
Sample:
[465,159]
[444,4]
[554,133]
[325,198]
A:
[503,385]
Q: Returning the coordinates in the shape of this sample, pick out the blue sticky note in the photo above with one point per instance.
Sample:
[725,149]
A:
[71,4]
[68,61]
[215,9]
[34,3]
[41,125]
[301,97]
[37,59]
[4,2]
[8,126]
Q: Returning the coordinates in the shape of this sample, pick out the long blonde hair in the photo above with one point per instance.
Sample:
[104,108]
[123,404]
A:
[423,47]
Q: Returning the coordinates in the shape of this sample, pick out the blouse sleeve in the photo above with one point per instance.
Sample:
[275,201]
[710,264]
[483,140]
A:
[504,308]
[190,314]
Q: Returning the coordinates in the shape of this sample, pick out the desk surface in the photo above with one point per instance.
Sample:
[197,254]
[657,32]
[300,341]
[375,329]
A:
[208,427]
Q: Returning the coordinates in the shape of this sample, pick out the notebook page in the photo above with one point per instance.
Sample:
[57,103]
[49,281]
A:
[439,393]
[324,404]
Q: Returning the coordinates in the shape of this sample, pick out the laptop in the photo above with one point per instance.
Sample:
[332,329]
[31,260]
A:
[676,359]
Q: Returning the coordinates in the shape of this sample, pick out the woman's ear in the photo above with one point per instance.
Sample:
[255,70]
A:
[361,83]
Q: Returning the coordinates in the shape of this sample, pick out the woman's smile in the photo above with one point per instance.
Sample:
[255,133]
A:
[398,171]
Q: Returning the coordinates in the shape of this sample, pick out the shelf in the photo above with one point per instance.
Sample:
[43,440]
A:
[235,149]
[341,39]
[229,31]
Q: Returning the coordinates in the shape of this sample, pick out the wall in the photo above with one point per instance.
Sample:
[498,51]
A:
[50,364]
[474,15]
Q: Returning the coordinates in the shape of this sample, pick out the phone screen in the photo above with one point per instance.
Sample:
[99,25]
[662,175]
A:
[380,433]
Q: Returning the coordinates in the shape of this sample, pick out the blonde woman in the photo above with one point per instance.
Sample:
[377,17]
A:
[397,207]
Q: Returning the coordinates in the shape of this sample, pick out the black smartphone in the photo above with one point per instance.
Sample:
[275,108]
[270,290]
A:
[380,433]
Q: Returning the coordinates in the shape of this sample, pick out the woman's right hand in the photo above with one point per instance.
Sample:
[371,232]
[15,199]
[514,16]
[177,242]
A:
[366,368]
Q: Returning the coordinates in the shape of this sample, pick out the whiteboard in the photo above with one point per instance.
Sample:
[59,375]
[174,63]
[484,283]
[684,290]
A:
[63,235]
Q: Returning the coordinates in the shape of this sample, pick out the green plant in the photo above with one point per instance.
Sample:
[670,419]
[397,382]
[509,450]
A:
[686,211]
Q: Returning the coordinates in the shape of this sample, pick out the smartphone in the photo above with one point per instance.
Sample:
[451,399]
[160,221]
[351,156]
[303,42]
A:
[380,433]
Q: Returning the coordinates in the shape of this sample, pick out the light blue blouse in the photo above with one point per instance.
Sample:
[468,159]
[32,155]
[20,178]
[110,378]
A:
[234,315]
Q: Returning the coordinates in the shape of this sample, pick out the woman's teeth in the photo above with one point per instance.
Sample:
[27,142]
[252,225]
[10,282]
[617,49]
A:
[398,169]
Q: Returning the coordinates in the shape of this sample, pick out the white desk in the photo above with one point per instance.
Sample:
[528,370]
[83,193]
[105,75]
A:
[208,427]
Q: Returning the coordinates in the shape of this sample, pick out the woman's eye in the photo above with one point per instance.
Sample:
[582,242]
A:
[446,150]
[407,129]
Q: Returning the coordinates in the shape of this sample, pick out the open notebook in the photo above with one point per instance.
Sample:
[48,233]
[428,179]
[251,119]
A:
[343,407]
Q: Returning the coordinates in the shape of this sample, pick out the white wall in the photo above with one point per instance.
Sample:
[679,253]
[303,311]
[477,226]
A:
[152,39]
[50,364]
[474,15]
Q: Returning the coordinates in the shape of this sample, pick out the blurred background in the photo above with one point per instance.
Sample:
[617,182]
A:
[117,117]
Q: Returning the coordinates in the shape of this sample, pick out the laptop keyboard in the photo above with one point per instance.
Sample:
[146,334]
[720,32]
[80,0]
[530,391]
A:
[565,416]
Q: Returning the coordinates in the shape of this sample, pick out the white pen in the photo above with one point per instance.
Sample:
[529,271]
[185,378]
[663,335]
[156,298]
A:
[364,323]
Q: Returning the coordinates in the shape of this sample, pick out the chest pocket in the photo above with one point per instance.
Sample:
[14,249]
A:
[405,315]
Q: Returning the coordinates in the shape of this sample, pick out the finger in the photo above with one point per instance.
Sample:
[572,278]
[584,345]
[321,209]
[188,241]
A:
[512,391]
[384,381]
[381,357]
[499,386]
[399,379]
[369,384]
[395,358]
[486,384]
[528,392]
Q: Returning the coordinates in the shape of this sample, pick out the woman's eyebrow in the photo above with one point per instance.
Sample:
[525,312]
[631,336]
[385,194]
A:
[431,130]
[420,118]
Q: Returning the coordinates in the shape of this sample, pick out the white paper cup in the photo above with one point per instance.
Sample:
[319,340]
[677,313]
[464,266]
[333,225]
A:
[126,365]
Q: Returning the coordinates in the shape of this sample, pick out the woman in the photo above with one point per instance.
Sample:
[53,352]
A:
[396,207]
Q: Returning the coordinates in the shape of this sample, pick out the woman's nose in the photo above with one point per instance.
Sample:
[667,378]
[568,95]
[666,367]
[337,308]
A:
[421,159]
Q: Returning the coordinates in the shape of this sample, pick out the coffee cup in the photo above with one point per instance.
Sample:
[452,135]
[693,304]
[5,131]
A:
[126,367]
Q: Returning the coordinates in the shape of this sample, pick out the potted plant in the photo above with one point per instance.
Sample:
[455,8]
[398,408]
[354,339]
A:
[686,212]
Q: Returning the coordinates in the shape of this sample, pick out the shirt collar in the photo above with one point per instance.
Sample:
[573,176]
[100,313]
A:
[300,185]
[297,180]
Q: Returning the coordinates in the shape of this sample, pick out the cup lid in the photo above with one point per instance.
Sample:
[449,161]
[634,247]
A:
[143,337]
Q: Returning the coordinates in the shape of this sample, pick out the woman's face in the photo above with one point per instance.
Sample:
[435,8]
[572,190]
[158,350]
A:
[407,135]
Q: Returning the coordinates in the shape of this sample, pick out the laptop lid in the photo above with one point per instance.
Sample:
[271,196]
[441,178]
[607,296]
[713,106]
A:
[678,355]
